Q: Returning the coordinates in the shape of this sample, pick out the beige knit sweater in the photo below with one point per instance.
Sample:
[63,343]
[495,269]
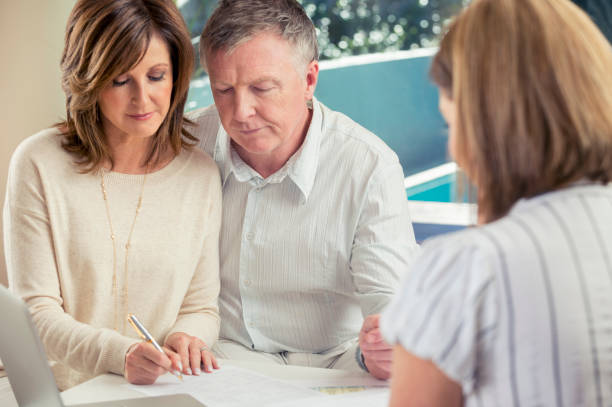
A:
[60,256]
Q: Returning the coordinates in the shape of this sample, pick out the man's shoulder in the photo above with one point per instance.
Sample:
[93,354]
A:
[206,124]
[203,114]
[341,130]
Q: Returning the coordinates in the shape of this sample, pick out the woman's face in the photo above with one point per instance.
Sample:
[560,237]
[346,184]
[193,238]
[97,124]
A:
[447,108]
[136,103]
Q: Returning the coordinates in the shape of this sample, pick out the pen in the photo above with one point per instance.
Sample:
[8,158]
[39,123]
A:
[145,335]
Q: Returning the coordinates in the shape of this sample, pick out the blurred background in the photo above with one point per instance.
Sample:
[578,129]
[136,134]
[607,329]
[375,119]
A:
[356,27]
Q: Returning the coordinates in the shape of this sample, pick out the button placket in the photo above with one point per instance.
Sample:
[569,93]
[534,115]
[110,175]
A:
[247,255]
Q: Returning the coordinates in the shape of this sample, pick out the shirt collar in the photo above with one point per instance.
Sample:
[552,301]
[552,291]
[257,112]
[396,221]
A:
[303,169]
[300,168]
[222,154]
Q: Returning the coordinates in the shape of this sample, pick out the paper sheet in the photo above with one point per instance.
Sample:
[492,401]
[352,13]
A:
[230,386]
[362,381]
[341,385]
[370,397]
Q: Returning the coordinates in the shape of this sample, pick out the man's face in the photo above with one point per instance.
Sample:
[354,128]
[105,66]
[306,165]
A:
[261,92]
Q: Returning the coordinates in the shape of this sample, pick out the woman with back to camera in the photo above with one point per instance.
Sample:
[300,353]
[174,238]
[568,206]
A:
[111,212]
[517,311]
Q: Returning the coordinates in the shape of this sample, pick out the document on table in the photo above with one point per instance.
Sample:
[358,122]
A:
[229,386]
[364,381]
[375,396]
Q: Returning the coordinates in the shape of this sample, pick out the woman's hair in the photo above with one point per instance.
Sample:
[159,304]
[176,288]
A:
[104,39]
[236,21]
[532,86]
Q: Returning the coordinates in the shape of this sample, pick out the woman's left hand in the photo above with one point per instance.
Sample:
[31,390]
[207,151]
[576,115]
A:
[193,353]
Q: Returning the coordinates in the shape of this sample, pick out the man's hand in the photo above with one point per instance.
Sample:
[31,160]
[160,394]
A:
[192,353]
[377,354]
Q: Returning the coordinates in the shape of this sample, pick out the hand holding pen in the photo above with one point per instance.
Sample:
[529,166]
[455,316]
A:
[146,361]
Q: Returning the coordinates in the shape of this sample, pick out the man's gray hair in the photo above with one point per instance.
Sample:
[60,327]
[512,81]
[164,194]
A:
[236,21]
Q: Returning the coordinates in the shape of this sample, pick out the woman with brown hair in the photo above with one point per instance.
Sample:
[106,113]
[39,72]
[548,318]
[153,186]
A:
[517,311]
[111,211]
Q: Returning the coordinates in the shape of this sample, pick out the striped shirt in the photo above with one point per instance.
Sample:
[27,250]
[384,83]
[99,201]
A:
[306,252]
[519,311]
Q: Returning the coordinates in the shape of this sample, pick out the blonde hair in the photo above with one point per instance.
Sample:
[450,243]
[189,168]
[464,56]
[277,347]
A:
[104,39]
[532,85]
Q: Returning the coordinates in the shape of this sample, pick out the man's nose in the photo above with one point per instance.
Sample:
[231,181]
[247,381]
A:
[244,105]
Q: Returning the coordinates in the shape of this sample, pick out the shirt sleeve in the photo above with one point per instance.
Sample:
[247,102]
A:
[199,313]
[384,245]
[33,276]
[446,310]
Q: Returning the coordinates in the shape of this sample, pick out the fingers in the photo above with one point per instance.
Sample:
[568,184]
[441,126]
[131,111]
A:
[370,333]
[138,375]
[370,322]
[215,364]
[209,361]
[379,356]
[179,343]
[378,362]
[383,367]
[373,340]
[376,352]
[144,364]
[195,355]
[150,354]
[175,359]
[192,352]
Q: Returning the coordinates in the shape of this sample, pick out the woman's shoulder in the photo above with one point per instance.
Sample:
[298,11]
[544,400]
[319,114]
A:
[199,162]
[42,147]
[475,240]
[489,240]
[196,166]
[475,255]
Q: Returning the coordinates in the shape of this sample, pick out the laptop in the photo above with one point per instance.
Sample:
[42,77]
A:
[29,374]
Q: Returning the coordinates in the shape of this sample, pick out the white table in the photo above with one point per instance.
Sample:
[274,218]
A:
[6,393]
[109,386]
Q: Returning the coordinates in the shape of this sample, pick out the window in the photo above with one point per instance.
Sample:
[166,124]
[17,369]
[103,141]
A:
[375,56]
[355,27]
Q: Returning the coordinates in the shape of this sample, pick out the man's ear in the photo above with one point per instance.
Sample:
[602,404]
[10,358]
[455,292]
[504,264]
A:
[312,76]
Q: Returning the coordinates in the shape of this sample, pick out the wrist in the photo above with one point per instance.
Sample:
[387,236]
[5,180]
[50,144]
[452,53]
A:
[361,360]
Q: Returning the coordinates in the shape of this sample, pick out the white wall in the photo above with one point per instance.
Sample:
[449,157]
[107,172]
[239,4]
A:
[31,98]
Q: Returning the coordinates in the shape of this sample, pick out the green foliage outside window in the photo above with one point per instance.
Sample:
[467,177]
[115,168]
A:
[354,27]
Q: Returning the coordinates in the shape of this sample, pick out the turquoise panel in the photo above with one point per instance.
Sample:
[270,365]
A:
[393,99]
[396,101]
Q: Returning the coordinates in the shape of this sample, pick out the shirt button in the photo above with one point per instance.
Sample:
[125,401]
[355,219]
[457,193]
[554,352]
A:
[252,324]
[250,236]
[247,283]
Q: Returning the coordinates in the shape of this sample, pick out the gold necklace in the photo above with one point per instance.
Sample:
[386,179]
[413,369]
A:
[124,296]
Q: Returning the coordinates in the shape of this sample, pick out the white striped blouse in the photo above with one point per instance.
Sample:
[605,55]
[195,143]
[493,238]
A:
[519,311]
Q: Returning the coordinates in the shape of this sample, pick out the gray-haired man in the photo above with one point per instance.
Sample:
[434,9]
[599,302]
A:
[315,223]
